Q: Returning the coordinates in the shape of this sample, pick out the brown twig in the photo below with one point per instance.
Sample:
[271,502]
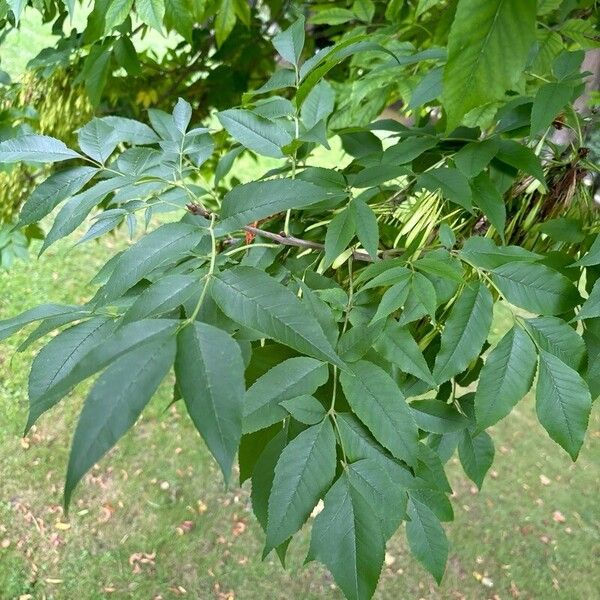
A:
[285,240]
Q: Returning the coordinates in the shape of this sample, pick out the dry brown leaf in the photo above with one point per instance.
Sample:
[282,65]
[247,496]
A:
[185,527]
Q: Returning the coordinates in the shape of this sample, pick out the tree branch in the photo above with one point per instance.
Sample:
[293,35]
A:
[286,240]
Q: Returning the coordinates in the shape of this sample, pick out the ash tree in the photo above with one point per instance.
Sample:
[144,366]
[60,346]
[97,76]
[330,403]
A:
[327,324]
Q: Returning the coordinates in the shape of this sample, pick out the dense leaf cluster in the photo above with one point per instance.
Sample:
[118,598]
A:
[330,326]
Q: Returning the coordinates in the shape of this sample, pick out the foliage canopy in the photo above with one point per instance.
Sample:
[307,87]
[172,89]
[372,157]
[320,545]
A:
[326,324]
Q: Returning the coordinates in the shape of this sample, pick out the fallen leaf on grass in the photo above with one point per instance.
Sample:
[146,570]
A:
[185,527]
[238,527]
[106,512]
[141,558]
[178,590]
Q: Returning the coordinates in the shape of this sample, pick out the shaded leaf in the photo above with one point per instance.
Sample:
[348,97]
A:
[379,404]
[505,378]
[465,332]
[304,471]
[346,537]
[253,299]
[210,375]
[563,403]
[114,405]
[298,376]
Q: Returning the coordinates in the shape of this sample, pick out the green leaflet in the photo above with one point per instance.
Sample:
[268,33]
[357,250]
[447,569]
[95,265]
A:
[346,537]
[364,10]
[591,307]
[378,174]
[289,379]
[407,150]
[557,337]
[426,538]
[210,375]
[35,148]
[118,11]
[358,442]
[379,404]
[396,296]
[57,359]
[315,68]
[358,340]
[441,265]
[305,409]
[591,257]
[428,89]
[76,209]
[386,272]
[465,332]
[438,417]
[114,405]
[255,132]
[430,469]
[151,12]
[339,234]
[163,296]
[321,312]
[483,253]
[16,6]
[473,157]
[452,183]
[226,18]
[397,346]
[111,348]
[304,471]
[97,139]
[563,403]
[476,455]
[536,288]
[168,242]
[258,199]
[44,311]
[436,501]
[49,194]
[51,324]
[506,377]
[487,197]
[225,163]
[548,102]
[367,228]
[262,483]
[479,69]
[423,299]
[253,299]
[289,43]
[386,498]
[318,104]
[521,157]
[182,115]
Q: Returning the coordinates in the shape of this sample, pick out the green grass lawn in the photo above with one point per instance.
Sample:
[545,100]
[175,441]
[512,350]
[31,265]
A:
[153,520]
